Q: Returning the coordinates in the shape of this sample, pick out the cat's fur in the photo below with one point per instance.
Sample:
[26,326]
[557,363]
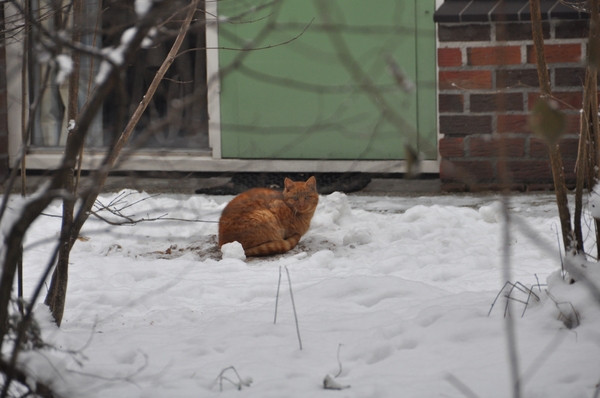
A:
[266,221]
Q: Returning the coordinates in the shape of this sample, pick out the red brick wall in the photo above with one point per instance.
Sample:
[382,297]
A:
[488,83]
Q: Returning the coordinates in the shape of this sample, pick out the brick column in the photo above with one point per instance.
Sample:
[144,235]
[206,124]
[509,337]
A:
[487,86]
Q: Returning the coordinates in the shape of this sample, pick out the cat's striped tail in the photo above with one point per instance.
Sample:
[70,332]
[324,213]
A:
[274,247]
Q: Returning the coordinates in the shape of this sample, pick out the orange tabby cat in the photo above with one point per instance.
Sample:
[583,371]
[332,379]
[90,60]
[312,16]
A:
[266,221]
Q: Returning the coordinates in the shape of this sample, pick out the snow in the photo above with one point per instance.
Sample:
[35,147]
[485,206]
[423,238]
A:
[594,203]
[114,55]
[142,7]
[65,67]
[392,293]
[233,250]
[148,41]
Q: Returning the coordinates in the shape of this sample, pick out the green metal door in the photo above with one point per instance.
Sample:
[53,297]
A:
[327,79]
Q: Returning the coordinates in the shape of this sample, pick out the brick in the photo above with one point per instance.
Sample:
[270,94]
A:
[569,148]
[493,102]
[572,29]
[451,147]
[4,144]
[451,103]
[3,138]
[453,187]
[529,170]
[572,115]
[461,125]
[469,171]
[556,53]
[487,187]
[569,77]
[3,133]
[500,55]
[542,186]
[569,167]
[509,147]
[449,57]
[566,100]
[4,168]
[464,32]
[465,79]
[512,123]
[538,148]
[518,31]
[573,123]
[500,186]
[510,78]
[572,100]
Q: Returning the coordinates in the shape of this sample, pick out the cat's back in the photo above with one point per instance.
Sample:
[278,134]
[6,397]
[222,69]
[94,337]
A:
[246,214]
[253,199]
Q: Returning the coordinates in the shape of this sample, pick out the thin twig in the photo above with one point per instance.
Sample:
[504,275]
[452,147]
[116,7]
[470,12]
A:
[277,296]
[239,385]
[520,287]
[496,299]
[569,321]
[24,139]
[129,222]
[560,256]
[294,307]
[339,362]
[511,338]
[460,386]
[266,47]
[538,283]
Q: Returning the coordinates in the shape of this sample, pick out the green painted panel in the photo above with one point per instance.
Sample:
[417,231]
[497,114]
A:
[316,83]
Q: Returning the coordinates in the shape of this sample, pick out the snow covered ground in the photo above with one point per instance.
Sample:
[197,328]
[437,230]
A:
[391,293]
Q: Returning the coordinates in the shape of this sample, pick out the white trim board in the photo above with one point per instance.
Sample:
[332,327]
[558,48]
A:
[213,92]
[190,163]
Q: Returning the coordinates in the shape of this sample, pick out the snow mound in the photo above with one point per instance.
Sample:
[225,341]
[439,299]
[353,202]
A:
[357,235]
[233,250]
[491,213]
[332,209]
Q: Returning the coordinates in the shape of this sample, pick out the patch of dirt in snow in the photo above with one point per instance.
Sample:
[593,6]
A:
[205,249]
[208,248]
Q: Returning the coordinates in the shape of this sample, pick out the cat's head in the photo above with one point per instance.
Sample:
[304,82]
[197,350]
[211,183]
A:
[302,197]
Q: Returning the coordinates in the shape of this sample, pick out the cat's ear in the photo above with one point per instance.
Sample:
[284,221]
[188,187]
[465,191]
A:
[311,183]
[288,184]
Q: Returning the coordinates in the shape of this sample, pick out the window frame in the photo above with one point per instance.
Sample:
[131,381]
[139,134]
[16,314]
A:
[181,159]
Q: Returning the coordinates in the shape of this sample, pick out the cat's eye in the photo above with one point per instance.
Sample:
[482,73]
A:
[295,198]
